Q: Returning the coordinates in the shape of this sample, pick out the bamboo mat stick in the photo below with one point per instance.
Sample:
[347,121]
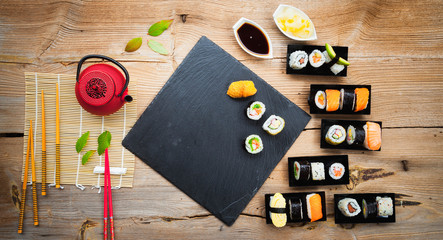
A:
[57,137]
[43,147]
[25,183]
[34,184]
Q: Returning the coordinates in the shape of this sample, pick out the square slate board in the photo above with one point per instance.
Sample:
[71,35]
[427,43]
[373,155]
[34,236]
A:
[193,133]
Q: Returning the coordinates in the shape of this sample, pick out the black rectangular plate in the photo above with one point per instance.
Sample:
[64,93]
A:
[340,218]
[323,70]
[326,123]
[302,196]
[317,87]
[327,161]
[193,133]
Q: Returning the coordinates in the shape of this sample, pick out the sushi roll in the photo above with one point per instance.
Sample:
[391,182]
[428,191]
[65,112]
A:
[253,144]
[302,171]
[298,60]
[332,100]
[314,208]
[318,171]
[277,204]
[327,58]
[355,135]
[347,99]
[256,110]
[340,63]
[349,207]
[336,171]
[385,207]
[336,134]
[361,99]
[372,136]
[316,58]
[320,99]
[369,208]
[295,209]
[274,125]
[337,68]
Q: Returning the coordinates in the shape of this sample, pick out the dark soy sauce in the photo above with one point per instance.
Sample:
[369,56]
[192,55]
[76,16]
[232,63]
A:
[253,39]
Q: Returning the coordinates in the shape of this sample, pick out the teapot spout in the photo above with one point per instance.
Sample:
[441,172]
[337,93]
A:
[127,98]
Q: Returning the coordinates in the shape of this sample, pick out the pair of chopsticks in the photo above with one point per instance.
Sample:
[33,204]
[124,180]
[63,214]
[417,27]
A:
[108,196]
[29,151]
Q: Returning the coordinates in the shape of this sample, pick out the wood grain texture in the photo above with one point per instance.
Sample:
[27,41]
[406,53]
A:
[395,46]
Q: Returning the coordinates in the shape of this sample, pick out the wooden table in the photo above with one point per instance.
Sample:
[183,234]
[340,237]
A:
[395,46]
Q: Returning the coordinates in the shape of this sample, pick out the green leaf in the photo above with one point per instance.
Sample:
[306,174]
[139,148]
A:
[134,44]
[157,47]
[87,155]
[81,142]
[159,27]
[104,140]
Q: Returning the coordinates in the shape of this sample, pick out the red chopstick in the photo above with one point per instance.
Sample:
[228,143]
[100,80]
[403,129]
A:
[105,204]
[108,194]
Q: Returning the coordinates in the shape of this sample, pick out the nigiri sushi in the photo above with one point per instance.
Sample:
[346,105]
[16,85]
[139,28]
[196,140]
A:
[278,210]
[361,99]
[332,100]
[313,202]
[372,136]
[241,89]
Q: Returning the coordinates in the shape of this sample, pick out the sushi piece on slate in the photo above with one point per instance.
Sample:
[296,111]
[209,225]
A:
[302,171]
[320,99]
[313,203]
[385,206]
[361,99]
[253,144]
[298,60]
[256,110]
[318,171]
[336,171]
[295,209]
[369,208]
[274,125]
[241,89]
[336,134]
[316,58]
[332,100]
[347,99]
[349,207]
[278,210]
[355,135]
[372,136]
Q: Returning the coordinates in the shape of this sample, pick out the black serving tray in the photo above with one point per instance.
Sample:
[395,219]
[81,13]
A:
[317,87]
[340,218]
[323,70]
[326,123]
[302,196]
[327,161]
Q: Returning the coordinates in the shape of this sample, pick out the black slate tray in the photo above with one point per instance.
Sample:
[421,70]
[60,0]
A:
[193,133]
[301,195]
[323,70]
[340,218]
[326,123]
[317,87]
[327,161]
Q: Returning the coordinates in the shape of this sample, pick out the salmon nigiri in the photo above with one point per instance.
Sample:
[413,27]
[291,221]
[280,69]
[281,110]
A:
[361,99]
[373,136]
[332,100]
[314,207]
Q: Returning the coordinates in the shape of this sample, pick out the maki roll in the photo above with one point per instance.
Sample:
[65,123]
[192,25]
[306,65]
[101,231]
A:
[385,207]
[332,100]
[349,207]
[347,99]
[316,58]
[318,171]
[256,110]
[320,99]
[313,203]
[298,60]
[274,125]
[253,144]
[277,206]
[361,99]
[302,171]
[336,134]
[336,171]
[355,135]
[372,136]
[340,63]
[369,208]
[295,209]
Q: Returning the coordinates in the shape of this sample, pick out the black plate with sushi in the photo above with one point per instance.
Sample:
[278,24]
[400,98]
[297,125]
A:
[293,207]
[364,208]
[316,60]
[340,99]
[318,170]
[346,134]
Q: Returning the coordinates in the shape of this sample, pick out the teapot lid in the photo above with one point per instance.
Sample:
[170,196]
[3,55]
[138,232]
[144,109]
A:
[96,87]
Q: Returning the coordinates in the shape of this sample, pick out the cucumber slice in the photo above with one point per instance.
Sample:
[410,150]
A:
[343,62]
[330,51]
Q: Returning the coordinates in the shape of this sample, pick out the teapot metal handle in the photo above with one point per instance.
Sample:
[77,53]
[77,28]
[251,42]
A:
[80,63]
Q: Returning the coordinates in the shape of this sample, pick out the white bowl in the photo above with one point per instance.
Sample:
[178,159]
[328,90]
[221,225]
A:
[279,9]
[238,24]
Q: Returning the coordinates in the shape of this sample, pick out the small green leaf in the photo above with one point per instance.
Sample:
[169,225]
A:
[104,140]
[159,27]
[87,155]
[81,142]
[157,47]
[134,44]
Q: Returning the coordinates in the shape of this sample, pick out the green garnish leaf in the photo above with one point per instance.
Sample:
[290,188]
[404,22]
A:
[81,142]
[159,27]
[134,44]
[104,141]
[157,47]
[87,155]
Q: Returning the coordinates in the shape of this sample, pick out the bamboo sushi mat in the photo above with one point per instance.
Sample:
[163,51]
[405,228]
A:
[75,121]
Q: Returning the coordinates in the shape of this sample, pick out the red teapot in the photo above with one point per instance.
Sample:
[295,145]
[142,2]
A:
[101,89]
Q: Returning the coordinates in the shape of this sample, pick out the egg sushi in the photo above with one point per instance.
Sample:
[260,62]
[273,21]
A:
[277,206]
